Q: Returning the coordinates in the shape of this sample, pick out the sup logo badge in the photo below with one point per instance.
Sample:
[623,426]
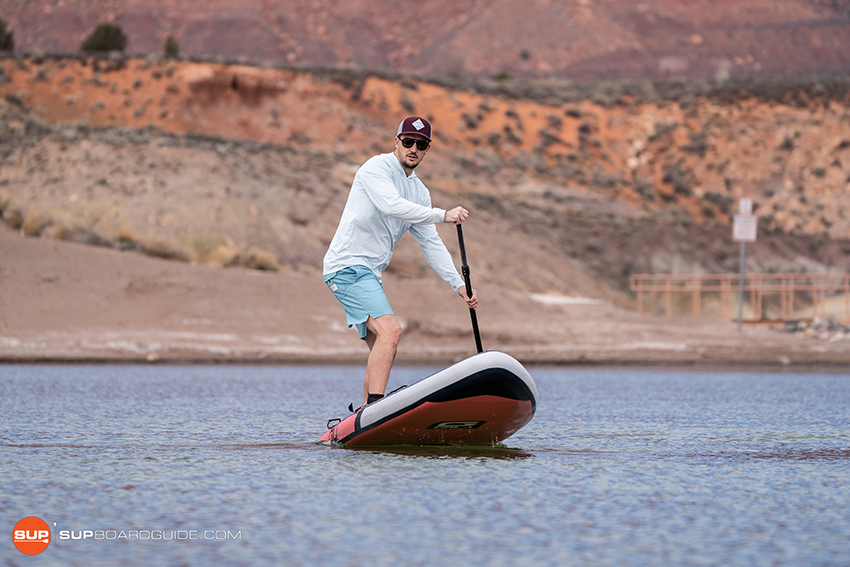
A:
[31,535]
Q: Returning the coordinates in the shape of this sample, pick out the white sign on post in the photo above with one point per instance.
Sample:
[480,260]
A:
[743,231]
[744,228]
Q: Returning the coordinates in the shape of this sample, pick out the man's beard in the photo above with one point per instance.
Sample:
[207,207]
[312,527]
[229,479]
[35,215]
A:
[412,166]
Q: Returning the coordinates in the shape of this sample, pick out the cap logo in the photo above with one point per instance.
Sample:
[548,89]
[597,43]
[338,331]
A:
[418,124]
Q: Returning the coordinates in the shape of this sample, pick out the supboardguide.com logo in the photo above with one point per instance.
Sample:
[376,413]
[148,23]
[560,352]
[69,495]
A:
[31,535]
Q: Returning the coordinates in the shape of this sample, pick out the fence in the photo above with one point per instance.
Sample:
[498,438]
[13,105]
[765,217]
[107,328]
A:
[788,286]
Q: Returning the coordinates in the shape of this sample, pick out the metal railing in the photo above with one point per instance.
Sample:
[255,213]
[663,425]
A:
[788,286]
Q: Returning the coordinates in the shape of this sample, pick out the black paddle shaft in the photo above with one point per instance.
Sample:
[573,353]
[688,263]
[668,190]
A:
[465,272]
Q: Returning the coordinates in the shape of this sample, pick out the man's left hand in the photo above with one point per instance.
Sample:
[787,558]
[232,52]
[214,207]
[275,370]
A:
[473,301]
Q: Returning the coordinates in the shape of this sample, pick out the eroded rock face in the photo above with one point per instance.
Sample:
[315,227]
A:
[582,40]
[572,186]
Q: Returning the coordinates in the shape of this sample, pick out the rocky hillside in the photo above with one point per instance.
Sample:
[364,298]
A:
[580,40]
[572,189]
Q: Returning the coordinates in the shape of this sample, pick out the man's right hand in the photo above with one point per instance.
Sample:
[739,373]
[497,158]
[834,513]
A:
[473,302]
[456,215]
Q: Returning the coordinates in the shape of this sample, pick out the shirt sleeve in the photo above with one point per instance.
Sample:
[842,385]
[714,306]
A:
[436,254]
[376,180]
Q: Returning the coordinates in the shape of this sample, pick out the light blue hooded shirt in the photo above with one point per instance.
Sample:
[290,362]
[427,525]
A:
[383,204]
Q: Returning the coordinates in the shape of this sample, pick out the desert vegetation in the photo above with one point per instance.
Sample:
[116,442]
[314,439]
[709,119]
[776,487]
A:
[105,37]
[171,48]
[39,224]
[7,37]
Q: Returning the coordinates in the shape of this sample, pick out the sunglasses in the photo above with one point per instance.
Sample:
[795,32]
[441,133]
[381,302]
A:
[421,145]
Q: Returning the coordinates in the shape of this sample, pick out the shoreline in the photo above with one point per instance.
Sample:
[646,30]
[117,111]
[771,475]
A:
[730,367]
[755,365]
[68,303]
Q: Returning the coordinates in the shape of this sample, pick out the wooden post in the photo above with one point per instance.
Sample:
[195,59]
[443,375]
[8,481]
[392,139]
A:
[847,299]
[696,296]
[791,297]
[639,282]
[814,281]
[753,307]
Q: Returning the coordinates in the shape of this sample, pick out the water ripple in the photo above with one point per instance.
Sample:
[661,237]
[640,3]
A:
[618,467]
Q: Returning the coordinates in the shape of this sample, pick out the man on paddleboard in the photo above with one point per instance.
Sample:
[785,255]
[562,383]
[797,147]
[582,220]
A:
[386,200]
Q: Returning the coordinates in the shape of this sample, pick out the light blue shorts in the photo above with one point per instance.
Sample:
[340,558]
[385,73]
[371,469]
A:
[361,295]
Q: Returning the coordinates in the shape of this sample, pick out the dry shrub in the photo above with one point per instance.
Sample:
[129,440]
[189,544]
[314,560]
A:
[222,257]
[258,259]
[33,224]
[203,246]
[165,250]
[14,217]
[127,236]
[57,232]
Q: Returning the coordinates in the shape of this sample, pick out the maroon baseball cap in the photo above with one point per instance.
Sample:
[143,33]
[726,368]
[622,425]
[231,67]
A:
[415,125]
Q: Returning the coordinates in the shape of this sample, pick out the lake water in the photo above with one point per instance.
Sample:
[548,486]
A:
[618,467]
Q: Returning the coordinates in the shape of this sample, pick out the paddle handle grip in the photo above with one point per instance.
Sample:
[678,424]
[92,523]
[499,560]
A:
[464,269]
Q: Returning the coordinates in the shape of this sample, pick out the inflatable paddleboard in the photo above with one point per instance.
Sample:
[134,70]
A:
[479,401]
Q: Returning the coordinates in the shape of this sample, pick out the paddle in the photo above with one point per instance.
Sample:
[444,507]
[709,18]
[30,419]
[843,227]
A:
[465,272]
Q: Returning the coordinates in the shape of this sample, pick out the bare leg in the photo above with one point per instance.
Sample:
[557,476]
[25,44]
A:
[370,342]
[382,340]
